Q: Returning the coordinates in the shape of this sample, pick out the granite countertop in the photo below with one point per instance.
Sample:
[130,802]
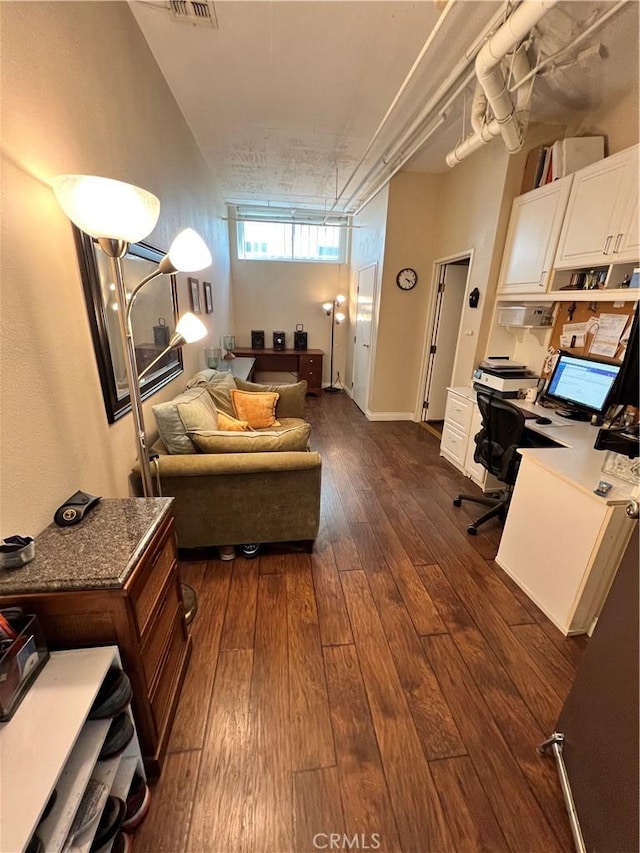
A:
[98,553]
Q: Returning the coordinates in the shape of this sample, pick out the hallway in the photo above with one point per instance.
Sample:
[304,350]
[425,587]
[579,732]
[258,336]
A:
[392,685]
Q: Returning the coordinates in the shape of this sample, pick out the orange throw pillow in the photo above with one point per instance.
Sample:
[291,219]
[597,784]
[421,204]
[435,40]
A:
[255,407]
[229,424]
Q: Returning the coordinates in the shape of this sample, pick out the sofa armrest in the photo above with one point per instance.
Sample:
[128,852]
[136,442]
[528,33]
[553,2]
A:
[224,464]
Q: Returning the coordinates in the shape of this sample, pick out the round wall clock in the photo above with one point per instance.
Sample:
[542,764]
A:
[407,279]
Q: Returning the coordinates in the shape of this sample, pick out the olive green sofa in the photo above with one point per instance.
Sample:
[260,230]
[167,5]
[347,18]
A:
[231,498]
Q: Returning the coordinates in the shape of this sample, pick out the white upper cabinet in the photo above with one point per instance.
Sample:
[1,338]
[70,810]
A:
[532,238]
[601,222]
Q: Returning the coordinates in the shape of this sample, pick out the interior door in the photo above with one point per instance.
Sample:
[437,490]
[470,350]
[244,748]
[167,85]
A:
[362,343]
[444,338]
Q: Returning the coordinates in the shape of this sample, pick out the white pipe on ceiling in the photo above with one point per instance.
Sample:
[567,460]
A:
[489,73]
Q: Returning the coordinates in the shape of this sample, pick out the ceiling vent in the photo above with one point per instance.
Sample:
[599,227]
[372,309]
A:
[196,12]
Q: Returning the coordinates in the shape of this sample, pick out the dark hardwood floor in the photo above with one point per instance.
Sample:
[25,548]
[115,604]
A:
[392,686]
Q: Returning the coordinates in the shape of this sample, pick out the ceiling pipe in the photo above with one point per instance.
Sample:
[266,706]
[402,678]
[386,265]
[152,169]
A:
[478,108]
[491,78]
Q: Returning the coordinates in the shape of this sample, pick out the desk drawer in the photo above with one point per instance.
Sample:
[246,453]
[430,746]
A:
[162,694]
[458,411]
[454,443]
[310,369]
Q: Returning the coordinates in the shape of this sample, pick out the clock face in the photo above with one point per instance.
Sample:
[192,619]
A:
[407,278]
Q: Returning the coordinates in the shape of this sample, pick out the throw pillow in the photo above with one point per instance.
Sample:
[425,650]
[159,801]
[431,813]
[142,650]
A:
[219,387]
[198,413]
[202,377]
[293,439]
[292,396]
[258,409]
[226,422]
[170,426]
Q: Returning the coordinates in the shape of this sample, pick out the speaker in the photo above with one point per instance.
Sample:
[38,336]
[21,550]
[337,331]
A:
[299,340]
[257,339]
[279,340]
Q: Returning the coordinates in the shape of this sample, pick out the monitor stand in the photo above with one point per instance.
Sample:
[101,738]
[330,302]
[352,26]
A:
[573,414]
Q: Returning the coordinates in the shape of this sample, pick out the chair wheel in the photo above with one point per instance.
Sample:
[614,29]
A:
[472,530]
[457,502]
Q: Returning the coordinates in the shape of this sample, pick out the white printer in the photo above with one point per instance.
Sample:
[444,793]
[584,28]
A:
[503,377]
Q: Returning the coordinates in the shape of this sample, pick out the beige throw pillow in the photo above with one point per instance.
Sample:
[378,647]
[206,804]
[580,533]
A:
[258,409]
[293,439]
[170,425]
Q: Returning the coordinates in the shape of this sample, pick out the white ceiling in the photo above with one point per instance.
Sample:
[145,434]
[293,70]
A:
[284,97]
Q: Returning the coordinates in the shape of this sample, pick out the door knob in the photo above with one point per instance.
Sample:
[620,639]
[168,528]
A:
[632,509]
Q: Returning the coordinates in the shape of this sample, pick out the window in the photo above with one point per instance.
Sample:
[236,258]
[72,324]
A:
[260,238]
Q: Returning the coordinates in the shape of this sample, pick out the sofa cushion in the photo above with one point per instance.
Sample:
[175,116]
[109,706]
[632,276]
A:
[292,439]
[229,424]
[258,408]
[291,400]
[171,427]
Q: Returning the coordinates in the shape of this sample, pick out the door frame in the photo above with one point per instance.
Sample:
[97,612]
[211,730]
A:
[430,321]
[374,327]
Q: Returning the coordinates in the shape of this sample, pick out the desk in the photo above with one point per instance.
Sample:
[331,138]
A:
[306,364]
[561,543]
[241,368]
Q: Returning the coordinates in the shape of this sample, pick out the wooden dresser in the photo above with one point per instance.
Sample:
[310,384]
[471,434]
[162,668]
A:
[113,578]
[306,364]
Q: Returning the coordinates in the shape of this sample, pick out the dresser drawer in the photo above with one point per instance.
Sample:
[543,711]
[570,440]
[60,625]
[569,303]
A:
[454,443]
[150,579]
[162,693]
[458,411]
[310,369]
[159,629]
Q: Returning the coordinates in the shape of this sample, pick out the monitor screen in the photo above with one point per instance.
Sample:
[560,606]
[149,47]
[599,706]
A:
[582,383]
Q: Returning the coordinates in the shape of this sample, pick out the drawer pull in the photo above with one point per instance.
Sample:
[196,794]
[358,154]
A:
[617,244]
[607,242]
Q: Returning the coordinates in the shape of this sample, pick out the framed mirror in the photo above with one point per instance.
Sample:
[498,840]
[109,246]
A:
[153,319]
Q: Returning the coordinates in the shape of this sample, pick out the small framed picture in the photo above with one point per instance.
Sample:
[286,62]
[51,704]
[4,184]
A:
[194,291]
[208,297]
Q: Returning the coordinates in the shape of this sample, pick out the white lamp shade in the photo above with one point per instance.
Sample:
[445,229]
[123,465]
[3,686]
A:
[327,306]
[339,317]
[340,299]
[103,207]
[190,328]
[189,252]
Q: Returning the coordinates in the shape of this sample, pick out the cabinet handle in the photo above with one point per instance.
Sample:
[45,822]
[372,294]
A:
[617,244]
[605,250]
[544,272]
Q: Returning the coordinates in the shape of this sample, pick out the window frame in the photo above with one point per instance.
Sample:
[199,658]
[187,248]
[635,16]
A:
[276,219]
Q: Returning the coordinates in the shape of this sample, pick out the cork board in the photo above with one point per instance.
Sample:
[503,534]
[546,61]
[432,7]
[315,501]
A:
[583,312]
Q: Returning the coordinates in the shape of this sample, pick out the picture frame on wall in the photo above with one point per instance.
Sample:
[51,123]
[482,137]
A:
[208,297]
[194,293]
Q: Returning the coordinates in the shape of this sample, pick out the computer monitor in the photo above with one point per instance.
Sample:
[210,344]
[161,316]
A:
[581,386]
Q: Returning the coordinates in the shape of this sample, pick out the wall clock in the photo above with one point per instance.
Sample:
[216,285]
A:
[407,279]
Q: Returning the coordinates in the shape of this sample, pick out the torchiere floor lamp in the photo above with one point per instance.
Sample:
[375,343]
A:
[337,317]
[117,214]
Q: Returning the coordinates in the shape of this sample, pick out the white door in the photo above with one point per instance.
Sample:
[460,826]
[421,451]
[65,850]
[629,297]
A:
[362,341]
[444,338]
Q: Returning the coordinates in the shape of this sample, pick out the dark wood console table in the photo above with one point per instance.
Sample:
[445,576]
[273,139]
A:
[306,364]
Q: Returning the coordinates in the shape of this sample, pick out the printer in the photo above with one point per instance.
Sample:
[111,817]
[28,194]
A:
[503,377]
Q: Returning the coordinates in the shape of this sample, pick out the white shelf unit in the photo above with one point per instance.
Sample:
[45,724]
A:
[49,744]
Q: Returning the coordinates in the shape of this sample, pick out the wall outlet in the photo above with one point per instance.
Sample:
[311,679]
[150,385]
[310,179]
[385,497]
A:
[531,395]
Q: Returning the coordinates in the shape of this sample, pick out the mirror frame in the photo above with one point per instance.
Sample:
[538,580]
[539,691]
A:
[116,407]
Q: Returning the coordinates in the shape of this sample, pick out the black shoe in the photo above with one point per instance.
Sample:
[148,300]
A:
[250,551]
[118,737]
[110,823]
[113,696]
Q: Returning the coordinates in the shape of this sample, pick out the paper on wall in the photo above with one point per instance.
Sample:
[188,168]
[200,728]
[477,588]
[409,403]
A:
[607,337]
[571,341]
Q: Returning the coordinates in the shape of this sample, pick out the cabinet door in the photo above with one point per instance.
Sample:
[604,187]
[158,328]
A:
[532,239]
[594,214]
[627,242]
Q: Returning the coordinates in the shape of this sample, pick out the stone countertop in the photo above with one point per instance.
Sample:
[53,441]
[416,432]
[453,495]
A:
[100,552]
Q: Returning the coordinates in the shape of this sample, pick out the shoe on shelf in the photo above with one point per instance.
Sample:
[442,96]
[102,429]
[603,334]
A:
[227,552]
[250,551]
[138,800]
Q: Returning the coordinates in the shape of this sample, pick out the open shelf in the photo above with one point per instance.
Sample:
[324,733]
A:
[626,294]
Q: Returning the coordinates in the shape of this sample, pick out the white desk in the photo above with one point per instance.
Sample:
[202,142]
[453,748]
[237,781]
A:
[561,542]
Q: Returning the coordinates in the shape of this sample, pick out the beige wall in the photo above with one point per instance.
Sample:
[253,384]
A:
[278,295]
[367,247]
[412,223]
[80,93]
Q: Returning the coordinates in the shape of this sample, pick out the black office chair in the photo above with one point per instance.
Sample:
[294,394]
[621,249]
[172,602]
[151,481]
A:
[497,451]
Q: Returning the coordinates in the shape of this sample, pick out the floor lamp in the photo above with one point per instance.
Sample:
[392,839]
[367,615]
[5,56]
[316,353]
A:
[337,317]
[117,214]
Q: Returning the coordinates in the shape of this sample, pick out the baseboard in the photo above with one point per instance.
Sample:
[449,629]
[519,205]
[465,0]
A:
[390,416]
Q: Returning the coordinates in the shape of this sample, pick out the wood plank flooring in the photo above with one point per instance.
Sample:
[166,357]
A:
[386,692]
